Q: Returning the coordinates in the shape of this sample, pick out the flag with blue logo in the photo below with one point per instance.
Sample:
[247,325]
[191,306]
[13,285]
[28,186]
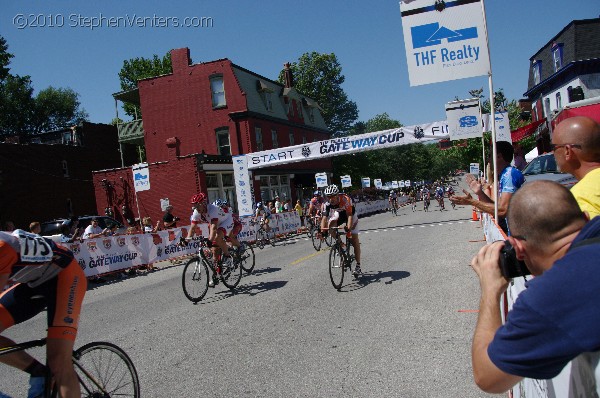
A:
[141,177]
[444,40]
[464,119]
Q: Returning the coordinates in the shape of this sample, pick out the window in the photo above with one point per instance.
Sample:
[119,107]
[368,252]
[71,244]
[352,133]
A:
[291,138]
[65,168]
[221,186]
[547,109]
[268,101]
[218,91]
[558,101]
[557,53]
[223,145]
[273,185]
[259,140]
[311,114]
[537,71]
[274,138]
[304,138]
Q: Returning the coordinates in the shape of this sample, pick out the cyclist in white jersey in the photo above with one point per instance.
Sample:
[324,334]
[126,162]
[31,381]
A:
[263,211]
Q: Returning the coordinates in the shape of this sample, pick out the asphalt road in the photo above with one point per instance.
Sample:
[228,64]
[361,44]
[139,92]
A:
[403,330]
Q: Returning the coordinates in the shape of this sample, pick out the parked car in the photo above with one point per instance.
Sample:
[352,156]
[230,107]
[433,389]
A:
[53,227]
[544,167]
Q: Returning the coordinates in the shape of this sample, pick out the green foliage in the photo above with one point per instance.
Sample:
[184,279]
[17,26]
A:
[319,76]
[137,69]
[23,113]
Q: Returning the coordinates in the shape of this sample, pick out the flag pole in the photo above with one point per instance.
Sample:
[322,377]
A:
[492,115]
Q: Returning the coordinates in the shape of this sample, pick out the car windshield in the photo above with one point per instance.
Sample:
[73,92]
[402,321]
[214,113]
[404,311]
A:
[541,165]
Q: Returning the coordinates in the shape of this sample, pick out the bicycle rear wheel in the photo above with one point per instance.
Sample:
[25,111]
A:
[231,272]
[260,238]
[195,279]
[105,370]
[247,259]
[336,266]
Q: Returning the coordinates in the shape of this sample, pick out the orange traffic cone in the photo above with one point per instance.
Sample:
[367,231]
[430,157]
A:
[474,217]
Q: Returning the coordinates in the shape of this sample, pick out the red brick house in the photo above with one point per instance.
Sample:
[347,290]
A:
[194,120]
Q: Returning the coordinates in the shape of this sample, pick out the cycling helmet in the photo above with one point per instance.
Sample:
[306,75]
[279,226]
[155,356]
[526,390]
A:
[218,203]
[259,205]
[225,202]
[317,193]
[332,190]
[391,192]
[199,197]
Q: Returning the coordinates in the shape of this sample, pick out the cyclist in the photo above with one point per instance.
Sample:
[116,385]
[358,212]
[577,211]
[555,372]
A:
[220,225]
[412,197]
[393,199]
[450,192]
[426,197]
[439,195]
[47,277]
[264,212]
[237,224]
[340,210]
[316,203]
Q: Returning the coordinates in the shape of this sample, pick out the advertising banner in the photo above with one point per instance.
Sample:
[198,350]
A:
[407,183]
[502,126]
[244,188]
[141,177]
[464,119]
[365,182]
[377,183]
[346,181]
[396,185]
[474,169]
[444,41]
[321,180]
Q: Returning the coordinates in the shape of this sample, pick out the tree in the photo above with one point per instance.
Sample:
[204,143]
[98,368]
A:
[16,105]
[319,76]
[136,69]
[5,57]
[56,108]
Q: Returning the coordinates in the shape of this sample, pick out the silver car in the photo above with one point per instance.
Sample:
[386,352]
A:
[544,168]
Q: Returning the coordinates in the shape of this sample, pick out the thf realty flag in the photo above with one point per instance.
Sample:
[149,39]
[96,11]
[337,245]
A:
[444,41]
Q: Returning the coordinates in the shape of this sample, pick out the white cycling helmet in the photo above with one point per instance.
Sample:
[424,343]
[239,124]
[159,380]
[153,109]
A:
[332,190]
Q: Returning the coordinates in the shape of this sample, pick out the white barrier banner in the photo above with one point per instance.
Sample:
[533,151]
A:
[244,188]
[502,126]
[464,119]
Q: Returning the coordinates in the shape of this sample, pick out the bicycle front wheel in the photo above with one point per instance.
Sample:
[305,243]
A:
[231,272]
[316,241]
[105,370]
[247,259]
[336,266]
[195,279]
[260,239]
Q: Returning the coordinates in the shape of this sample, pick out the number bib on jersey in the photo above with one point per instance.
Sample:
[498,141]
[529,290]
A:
[34,248]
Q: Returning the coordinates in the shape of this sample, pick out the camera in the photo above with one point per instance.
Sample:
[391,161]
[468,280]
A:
[176,218]
[509,265]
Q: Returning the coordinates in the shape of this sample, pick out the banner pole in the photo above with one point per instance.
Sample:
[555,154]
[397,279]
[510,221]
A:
[492,115]
[137,204]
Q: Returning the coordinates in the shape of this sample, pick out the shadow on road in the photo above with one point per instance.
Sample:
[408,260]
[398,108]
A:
[387,277]
[251,289]
[415,225]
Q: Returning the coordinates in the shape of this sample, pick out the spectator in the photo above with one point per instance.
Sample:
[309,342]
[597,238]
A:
[278,205]
[510,180]
[147,223]
[169,220]
[93,230]
[111,230]
[271,207]
[519,161]
[576,143]
[287,205]
[556,319]
[35,227]
[299,211]
[65,234]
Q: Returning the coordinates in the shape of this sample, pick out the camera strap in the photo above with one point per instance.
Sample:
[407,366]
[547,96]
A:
[585,242]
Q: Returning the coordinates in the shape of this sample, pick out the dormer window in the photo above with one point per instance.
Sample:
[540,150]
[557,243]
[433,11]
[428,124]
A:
[557,56]
[537,71]
[218,91]
[265,94]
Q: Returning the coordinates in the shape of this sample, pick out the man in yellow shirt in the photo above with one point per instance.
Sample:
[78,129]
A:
[576,145]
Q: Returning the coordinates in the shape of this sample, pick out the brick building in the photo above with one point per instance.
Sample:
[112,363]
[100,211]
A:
[194,120]
[49,175]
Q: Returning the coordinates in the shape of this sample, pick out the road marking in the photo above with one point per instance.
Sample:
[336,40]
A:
[307,257]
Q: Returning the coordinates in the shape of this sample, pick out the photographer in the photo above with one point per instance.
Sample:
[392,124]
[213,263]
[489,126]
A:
[169,220]
[557,318]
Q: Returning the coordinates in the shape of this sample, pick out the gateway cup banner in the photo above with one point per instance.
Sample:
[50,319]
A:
[444,42]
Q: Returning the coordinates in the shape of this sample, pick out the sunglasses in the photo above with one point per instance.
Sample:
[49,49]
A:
[554,146]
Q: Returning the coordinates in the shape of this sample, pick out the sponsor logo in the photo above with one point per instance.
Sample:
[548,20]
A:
[91,246]
[107,243]
[159,251]
[468,121]
[419,133]
[171,236]
[305,151]
[432,35]
[135,240]
[82,264]
[121,241]
[139,176]
[156,239]
[68,320]
[76,248]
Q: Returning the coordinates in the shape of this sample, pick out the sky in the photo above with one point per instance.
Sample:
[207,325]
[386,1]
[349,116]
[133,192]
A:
[52,41]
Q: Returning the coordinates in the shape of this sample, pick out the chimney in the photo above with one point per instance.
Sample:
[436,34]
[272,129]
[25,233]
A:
[173,145]
[288,78]
[180,59]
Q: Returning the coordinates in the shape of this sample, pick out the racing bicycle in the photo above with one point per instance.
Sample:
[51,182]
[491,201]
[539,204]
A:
[341,258]
[263,236]
[394,208]
[196,276]
[103,369]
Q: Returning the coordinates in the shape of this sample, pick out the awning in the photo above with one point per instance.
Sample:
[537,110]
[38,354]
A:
[525,131]
[591,111]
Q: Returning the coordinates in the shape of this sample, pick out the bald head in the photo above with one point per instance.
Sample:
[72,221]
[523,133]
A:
[543,211]
[580,130]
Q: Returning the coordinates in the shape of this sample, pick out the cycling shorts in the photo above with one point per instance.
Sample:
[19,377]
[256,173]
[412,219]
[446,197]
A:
[62,295]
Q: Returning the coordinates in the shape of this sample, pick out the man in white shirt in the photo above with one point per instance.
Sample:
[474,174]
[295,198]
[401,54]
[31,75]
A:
[93,230]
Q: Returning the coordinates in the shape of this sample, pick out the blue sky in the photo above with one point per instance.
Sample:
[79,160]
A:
[366,36]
